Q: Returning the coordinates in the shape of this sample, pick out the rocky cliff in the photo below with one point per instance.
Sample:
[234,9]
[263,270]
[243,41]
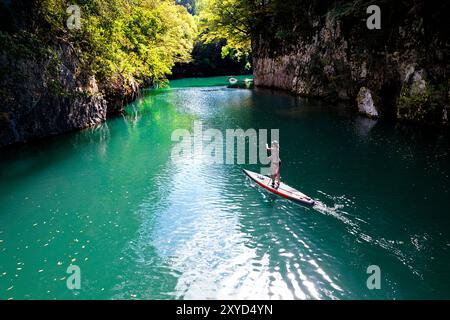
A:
[44,87]
[44,93]
[324,49]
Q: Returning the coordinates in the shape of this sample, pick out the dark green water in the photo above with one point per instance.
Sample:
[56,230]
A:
[140,226]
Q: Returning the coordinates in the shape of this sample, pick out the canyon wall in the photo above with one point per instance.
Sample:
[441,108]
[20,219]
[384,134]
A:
[324,49]
[44,95]
[44,88]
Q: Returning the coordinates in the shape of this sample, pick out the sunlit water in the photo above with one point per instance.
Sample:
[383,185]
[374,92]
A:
[112,201]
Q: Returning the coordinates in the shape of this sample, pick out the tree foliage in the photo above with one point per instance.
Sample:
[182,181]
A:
[208,61]
[135,40]
[231,20]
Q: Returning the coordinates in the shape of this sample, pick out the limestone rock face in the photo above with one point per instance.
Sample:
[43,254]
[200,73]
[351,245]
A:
[46,95]
[445,114]
[414,101]
[366,104]
[45,88]
[327,51]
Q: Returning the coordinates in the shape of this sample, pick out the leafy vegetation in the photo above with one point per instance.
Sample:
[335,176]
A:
[230,20]
[130,41]
[207,61]
[211,56]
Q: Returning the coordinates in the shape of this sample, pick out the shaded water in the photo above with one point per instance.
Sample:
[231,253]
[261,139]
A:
[140,225]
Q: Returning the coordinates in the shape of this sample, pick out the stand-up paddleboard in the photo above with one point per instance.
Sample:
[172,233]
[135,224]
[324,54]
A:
[283,190]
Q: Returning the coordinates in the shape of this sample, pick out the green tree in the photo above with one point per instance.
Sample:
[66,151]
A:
[126,41]
[232,20]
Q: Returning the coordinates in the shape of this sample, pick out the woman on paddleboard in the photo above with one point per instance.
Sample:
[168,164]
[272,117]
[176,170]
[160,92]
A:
[275,163]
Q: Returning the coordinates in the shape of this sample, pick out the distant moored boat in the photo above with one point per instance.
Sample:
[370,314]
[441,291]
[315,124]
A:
[233,80]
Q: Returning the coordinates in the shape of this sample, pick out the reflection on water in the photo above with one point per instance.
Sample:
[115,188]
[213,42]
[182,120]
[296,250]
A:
[364,125]
[141,226]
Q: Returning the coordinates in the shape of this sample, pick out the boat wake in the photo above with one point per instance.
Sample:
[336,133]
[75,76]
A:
[355,227]
[335,212]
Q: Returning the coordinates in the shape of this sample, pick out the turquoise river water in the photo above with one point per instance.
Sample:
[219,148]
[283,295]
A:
[139,225]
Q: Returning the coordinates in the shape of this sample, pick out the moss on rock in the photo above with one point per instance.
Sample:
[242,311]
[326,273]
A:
[420,100]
